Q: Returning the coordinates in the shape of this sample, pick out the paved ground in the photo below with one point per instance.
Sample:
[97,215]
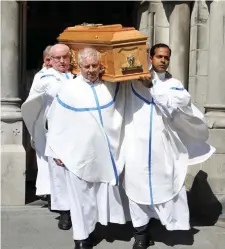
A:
[34,227]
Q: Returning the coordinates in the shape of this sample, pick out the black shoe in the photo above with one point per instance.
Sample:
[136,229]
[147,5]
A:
[150,241]
[142,242]
[83,244]
[65,220]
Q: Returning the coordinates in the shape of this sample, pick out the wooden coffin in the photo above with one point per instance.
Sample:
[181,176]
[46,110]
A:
[123,50]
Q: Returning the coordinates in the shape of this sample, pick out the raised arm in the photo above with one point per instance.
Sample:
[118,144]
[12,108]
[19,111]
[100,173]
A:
[174,102]
[170,97]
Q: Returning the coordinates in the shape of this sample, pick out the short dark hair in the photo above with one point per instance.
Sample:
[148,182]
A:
[158,45]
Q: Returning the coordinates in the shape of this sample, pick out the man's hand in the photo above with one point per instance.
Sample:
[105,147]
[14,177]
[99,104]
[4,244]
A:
[58,162]
[146,81]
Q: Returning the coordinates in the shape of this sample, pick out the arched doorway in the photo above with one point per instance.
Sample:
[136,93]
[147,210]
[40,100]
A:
[46,20]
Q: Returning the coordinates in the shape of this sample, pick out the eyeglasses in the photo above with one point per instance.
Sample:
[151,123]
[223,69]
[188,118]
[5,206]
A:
[58,58]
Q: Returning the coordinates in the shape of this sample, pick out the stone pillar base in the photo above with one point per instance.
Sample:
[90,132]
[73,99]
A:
[13,175]
[13,155]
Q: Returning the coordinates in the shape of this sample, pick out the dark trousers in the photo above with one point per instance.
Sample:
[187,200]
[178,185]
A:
[143,234]
[141,230]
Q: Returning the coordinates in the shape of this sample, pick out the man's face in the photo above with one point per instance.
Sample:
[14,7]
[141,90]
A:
[60,60]
[90,68]
[161,60]
[47,61]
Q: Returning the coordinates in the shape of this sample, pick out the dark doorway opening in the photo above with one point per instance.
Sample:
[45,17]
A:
[46,20]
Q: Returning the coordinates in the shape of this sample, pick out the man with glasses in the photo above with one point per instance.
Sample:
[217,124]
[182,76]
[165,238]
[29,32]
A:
[35,113]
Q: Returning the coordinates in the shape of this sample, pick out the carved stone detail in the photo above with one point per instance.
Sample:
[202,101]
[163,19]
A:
[16,132]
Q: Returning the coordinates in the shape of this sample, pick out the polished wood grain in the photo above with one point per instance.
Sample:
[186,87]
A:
[123,50]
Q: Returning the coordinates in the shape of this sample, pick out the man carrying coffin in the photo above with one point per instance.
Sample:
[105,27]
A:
[46,65]
[85,133]
[42,181]
[35,112]
[164,133]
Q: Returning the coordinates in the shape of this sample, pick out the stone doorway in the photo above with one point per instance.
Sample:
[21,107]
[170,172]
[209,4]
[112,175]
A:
[46,20]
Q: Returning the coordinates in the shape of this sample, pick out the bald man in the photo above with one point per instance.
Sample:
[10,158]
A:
[35,113]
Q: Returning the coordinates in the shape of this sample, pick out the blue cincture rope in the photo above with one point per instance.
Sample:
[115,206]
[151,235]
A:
[47,75]
[109,146]
[89,108]
[67,76]
[150,154]
[151,104]
[98,108]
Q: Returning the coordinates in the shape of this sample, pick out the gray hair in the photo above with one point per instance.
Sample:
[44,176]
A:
[47,50]
[87,52]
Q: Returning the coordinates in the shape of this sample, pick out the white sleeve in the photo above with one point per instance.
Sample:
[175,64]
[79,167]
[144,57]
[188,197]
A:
[191,122]
[174,102]
[48,84]
[52,89]
[40,84]
[170,98]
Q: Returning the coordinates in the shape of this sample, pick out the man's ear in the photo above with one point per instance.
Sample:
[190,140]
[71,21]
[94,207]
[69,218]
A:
[151,58]
[102,70]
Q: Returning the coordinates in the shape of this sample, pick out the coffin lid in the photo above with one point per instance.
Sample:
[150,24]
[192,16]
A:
[98,33]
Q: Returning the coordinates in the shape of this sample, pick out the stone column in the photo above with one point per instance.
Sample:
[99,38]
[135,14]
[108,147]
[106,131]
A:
[142,18]
[199,46]
[158,22]
[151,27]
[153,21]
[169,23]
[179,41]
[215,107]
[12,151]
